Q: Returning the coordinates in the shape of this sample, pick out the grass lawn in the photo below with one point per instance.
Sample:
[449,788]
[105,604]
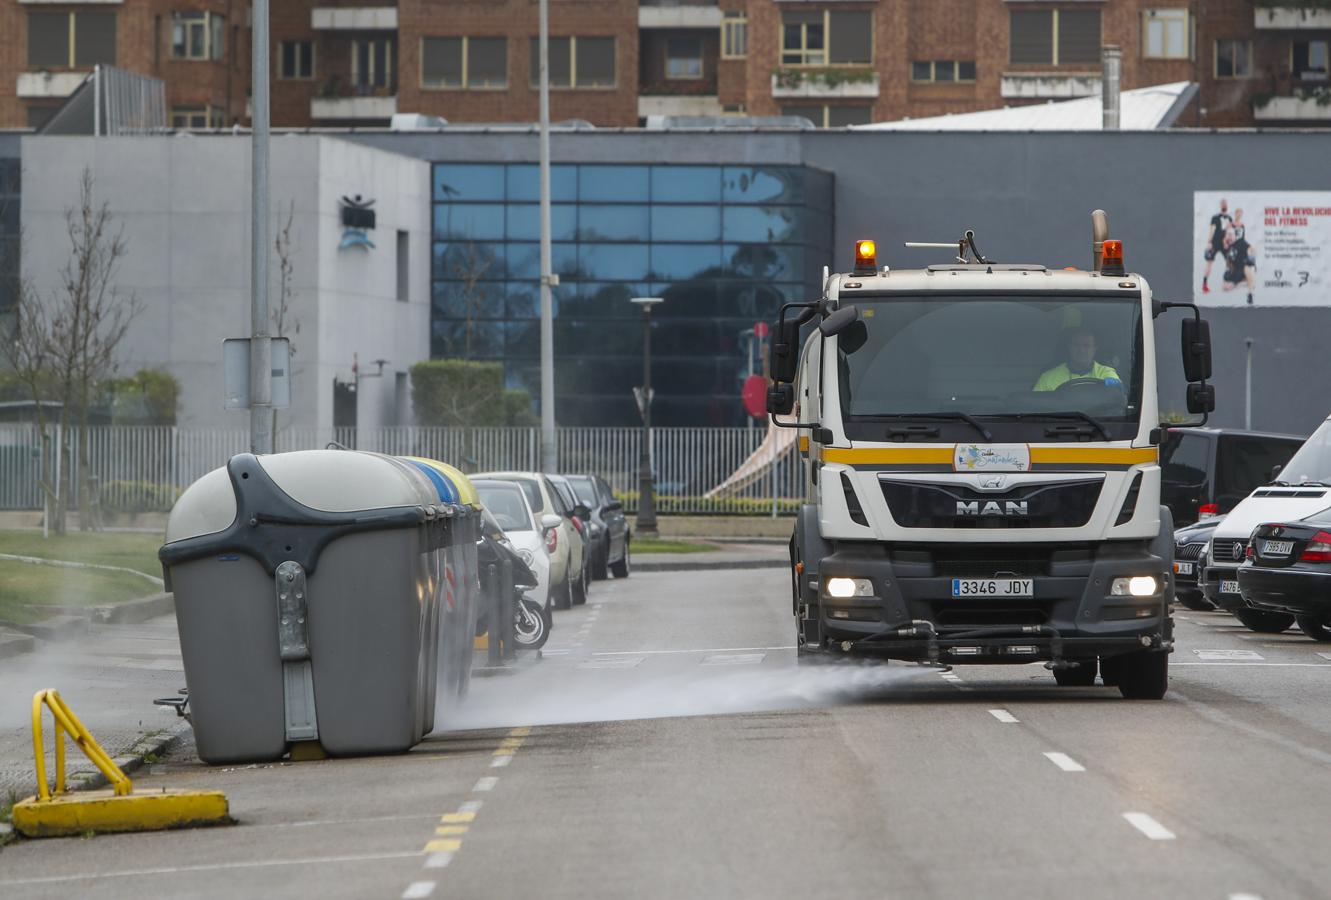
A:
[656,545]
[132,551]
[25,588]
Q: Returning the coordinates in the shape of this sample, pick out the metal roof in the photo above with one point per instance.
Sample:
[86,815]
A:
[1141,109]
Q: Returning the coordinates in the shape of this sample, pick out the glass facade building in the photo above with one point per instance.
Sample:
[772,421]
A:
[724,246]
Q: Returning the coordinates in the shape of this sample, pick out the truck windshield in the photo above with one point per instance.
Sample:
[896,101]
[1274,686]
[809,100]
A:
[1312,464]
[1042,357]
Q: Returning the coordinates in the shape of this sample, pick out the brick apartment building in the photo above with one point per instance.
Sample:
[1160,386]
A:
[615,63]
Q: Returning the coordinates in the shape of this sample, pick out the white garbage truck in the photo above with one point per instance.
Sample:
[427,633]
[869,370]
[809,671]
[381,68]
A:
[979,446]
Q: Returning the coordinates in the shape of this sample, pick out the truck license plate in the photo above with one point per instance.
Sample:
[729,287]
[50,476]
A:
[1229,587]
[993,587]
[1277,548]
[1182,568]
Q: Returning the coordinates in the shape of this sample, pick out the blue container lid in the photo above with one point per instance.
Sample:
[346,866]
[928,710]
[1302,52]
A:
[444,487]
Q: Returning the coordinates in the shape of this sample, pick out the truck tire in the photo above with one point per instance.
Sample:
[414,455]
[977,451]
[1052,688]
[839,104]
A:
[1315,627]
[1264,622]
[1143,674]
[1080,675]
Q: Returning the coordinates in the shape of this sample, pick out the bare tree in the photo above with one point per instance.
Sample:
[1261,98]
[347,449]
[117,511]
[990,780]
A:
[469,269]
[282,315]
[65,346]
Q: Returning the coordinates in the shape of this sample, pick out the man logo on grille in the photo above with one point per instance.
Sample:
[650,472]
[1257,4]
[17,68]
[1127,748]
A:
[992,508]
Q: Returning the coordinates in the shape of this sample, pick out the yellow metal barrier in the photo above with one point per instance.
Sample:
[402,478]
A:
[53,813]
[67,723]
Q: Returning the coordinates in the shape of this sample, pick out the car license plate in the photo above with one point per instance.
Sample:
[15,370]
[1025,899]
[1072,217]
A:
[1182,568]
[1229,587]
[993,587]
[1277,548]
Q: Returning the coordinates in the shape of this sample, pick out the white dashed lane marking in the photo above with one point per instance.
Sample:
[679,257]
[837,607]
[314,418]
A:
[1003,716]
[486,784]
[1149,826]
[1228,654]
[418,889]
[1065,762]
[733,659]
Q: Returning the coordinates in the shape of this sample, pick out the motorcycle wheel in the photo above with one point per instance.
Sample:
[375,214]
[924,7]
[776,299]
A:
[531,624]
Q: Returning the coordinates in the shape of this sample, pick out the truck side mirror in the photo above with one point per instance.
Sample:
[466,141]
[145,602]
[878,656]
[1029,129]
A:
[781,399]
[1197,352]
[1201,398]
[839,321]
[785,354]
[1275,472]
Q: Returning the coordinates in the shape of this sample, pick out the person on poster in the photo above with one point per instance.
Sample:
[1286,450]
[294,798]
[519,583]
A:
[1240,257]
[1215,241]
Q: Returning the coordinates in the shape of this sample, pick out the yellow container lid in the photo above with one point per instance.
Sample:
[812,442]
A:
[466,491]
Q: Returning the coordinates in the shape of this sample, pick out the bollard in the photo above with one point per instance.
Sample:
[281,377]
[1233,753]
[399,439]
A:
[507,610]
[493,590]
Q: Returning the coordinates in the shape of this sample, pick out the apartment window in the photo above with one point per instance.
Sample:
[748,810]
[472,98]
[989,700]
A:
[464,62]
[372,63]
[841,37]
[583,62]
[71,40]
[1309,60]
[824,116]
[1054,36]
[942,70]
[1233,59]
[1167,34]
[683,58]
[734,35]
[296,59]
[185,118]
[197,35]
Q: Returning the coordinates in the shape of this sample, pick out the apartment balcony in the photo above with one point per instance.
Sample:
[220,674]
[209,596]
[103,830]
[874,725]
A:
[1291,17]
[1049,86]
[679,106]
[825,84]
[354,18]
[354,103]
[679,14]
[48,85]
[1302,104]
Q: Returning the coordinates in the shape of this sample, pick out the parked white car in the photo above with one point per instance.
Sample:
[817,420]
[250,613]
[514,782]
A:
[1298,490]
[507,503]
[565,546]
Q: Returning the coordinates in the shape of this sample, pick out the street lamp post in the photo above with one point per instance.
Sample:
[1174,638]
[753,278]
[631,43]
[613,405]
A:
[646,526]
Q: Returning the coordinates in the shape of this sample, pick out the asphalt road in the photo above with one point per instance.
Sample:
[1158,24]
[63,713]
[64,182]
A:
[667,745]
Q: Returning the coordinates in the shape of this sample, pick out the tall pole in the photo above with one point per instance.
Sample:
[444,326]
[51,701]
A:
[1247,391]
[646,525]
[549,452]
[261,344]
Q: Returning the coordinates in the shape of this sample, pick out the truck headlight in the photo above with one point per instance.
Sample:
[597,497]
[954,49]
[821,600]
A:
[845,588]
[1135,586]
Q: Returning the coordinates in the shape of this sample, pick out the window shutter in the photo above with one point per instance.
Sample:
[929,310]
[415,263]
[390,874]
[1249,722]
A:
[1079,35]
[852,37]
[441,61]
[487,62]
[48,39]
[596,62]
[1031,36]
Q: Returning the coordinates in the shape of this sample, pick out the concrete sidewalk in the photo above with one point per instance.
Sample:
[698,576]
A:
[109,677]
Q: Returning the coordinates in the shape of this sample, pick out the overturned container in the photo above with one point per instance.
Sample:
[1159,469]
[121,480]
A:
[307,587]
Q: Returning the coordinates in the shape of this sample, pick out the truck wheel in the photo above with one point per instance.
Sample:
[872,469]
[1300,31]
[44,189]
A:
[1264,622]
[1080,675]
[1315,627]
[1143,674]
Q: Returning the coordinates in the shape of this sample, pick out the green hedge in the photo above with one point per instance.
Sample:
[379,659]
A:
[713,506]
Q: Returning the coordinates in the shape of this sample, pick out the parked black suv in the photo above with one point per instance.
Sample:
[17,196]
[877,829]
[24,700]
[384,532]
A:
[1207,471]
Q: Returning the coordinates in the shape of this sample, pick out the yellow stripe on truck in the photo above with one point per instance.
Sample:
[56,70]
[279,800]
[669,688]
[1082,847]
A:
[1093,456]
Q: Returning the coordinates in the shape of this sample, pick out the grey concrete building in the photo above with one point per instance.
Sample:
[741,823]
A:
[184,204]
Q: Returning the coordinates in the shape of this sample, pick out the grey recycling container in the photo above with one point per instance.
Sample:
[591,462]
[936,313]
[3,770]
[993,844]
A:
[307,589]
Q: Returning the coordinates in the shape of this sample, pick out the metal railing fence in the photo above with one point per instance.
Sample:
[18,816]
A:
[143,468]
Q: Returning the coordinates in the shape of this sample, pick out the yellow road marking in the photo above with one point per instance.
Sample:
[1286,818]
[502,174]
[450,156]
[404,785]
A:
[445,830]
[444,845]
[514,743]
[524,731]
[458,817]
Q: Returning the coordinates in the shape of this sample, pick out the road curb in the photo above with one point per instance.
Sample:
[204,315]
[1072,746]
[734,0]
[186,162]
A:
[133,761]
[704,565]
[13,643]
[55,628]
[132,612]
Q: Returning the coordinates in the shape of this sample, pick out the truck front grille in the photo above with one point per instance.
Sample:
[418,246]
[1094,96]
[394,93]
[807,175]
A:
[1067,504]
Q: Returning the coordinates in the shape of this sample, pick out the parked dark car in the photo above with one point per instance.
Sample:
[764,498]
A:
[1189,556]
[610,527]
[1207,471]
[1288,571]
